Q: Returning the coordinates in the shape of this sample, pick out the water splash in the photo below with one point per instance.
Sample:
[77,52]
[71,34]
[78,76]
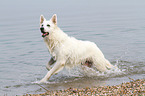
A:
[92,72]
[122,68]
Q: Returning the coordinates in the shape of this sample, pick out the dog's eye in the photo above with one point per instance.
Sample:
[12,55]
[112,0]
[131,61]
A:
[48,25]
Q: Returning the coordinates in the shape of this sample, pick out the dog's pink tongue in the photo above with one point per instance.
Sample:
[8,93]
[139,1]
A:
[45,34]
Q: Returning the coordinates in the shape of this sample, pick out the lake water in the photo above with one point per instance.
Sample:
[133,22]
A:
[116,26]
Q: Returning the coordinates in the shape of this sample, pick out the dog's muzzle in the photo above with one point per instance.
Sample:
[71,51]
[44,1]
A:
[44,34]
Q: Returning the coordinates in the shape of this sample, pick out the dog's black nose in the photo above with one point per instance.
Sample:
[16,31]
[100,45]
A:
[42,29]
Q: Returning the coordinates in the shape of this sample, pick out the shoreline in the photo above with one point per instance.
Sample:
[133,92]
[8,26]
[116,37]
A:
[134,87]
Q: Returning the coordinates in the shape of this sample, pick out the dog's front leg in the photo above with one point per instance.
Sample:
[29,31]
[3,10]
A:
[57,67]
[51,62]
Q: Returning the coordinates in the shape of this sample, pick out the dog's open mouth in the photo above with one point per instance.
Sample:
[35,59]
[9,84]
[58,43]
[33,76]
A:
[44,34]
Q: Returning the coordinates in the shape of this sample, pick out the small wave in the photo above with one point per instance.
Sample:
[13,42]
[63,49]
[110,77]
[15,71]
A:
[131,67]
[47,82]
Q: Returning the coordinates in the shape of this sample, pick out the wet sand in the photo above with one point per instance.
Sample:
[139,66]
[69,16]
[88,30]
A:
[134,87]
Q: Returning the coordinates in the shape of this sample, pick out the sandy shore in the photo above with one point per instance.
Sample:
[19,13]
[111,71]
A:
[134,88]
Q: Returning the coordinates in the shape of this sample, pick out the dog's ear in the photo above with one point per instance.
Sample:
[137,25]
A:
[41,19]
[54,19]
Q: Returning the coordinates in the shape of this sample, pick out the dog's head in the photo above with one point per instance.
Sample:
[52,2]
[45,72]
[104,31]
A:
[47,27]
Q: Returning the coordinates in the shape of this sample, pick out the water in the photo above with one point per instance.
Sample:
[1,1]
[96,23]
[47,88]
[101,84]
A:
[116,26]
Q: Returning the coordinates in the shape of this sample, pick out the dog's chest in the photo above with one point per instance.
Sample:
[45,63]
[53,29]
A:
[50,45]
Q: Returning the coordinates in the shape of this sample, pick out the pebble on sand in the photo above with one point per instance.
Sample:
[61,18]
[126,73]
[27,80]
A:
[135,87]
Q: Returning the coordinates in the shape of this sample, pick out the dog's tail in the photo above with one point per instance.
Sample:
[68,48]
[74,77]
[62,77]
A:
[103,65]
[109,65]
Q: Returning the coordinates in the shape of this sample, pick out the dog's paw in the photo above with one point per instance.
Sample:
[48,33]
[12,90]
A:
[42,81]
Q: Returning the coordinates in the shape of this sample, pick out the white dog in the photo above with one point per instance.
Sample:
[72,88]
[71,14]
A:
[68,51]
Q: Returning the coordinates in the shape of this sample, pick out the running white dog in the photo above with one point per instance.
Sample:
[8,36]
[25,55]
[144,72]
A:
[68,51]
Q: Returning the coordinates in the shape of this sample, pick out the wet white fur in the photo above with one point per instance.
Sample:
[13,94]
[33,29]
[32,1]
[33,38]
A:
[68,51]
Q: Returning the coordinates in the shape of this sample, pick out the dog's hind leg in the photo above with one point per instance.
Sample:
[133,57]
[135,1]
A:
[51,62]
[57,67]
